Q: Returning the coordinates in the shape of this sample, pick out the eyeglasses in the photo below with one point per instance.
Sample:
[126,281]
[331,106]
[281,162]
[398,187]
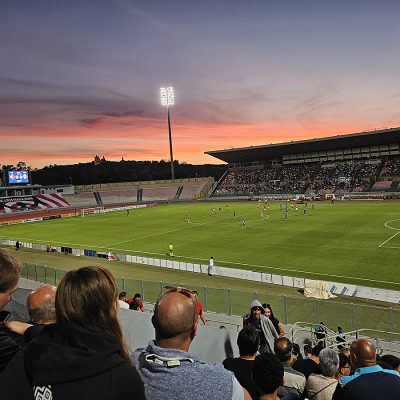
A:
[256,309]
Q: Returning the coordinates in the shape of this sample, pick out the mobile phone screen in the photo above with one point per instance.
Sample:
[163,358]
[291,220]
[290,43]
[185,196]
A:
[4,316]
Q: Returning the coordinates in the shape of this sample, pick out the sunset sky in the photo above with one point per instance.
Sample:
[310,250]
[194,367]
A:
[80,78]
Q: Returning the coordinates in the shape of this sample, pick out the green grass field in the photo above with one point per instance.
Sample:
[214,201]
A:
[352,242]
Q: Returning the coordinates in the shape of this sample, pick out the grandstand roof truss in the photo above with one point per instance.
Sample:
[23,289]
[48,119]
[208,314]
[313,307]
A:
[359,145]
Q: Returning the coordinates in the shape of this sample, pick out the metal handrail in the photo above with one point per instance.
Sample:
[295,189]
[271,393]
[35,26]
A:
[309,327]
[374,335]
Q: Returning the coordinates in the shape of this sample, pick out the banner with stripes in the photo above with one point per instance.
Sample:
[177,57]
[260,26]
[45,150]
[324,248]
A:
[28,203]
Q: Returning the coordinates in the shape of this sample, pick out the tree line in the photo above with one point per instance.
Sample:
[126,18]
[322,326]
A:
[123,171]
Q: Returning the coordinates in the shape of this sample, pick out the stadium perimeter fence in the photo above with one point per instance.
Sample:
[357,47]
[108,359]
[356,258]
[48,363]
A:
[287,309]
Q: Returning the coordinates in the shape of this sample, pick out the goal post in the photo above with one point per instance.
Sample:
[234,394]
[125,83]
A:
[91,211]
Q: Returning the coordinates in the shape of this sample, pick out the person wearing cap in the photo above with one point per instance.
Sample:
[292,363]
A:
[263,325]
[123,300]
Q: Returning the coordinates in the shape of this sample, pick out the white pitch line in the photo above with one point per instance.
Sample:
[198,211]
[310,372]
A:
[266,267]
[159,233]
[391,237]
[234,263]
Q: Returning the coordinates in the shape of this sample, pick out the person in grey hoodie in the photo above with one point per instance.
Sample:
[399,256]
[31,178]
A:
[165,366]
[263,325]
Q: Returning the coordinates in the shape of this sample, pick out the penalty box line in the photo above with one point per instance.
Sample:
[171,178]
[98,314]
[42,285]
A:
[387,240]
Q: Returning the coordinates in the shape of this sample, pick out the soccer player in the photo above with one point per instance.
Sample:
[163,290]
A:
[171,250]
[127,212]
[234,215]
[244,224]
[187,219]
[286,215]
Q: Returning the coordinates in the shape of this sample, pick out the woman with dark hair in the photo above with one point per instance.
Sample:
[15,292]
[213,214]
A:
[270,314]
[10,269]
[83,355]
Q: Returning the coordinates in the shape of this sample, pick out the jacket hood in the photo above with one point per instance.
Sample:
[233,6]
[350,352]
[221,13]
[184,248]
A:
[67,352]
[256,303]
[157,359]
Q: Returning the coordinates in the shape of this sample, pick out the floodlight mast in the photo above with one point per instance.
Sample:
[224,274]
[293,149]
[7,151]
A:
[168,99]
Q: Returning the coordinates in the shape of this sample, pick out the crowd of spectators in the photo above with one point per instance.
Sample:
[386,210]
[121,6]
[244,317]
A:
[391,168]
[335,177]
[73,347]
[242,181]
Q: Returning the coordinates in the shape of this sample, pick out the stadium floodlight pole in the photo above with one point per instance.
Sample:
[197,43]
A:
[168,99]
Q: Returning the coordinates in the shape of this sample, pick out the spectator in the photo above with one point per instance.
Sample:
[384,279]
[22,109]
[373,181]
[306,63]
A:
[345,351]
[10,269]
[321,332]
[341,337]
[168,370]
[296,352]
[268,377]
[369,381]
[294,381]
[123,300]
[41,305]
[322,387]
[83,355]
[248,342]
[134,305]
[311,364]
[138,298]
[307,351]
[263,325]
[41,309]
[199,308]
[344,366]
[277,325]
[392,361]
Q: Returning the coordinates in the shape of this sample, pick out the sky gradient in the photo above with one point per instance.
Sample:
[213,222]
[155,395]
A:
[80,77]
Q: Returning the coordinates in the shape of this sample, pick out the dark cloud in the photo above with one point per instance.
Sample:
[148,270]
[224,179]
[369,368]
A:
[90,122]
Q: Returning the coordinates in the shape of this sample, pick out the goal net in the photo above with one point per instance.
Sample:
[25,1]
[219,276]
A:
[90,211]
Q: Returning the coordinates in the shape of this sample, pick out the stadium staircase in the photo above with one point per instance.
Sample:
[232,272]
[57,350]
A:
[378,173]
[99,201]
[394,187]
[139,196]
[218,184]
[178,193]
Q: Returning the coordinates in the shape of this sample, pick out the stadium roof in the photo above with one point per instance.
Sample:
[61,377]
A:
[276,151]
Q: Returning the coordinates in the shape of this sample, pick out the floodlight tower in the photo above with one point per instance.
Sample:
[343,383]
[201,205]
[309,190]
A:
[168,99]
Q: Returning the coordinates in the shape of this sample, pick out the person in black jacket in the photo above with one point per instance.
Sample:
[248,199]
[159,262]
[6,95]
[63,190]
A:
[9,275]
[248,342]
[83,355]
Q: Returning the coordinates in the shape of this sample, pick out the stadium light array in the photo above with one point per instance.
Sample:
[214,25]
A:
[167,96]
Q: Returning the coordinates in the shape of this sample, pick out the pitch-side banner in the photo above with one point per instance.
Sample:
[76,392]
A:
[30,203]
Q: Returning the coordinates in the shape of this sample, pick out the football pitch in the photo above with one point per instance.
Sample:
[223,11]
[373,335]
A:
[352,242]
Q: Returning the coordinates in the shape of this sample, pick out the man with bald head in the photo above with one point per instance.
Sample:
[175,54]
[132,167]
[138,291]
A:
[168,370]
[40,304]
[369,381]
